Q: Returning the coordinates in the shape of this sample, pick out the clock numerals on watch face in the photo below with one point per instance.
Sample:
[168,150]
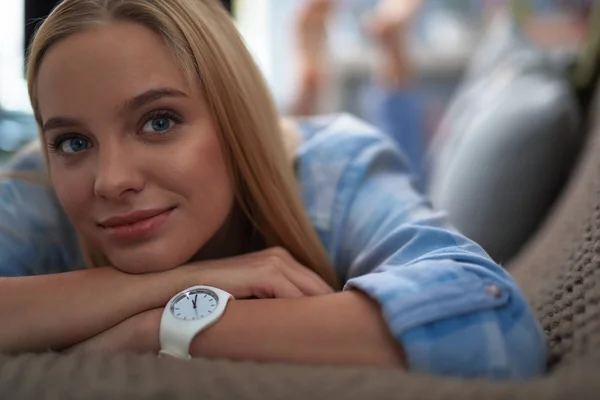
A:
[194,304]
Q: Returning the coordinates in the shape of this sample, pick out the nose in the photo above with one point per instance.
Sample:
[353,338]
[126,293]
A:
[117,174]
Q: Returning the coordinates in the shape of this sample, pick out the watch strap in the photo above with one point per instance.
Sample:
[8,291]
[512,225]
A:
[176,335]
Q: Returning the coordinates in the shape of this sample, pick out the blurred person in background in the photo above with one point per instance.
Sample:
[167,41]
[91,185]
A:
[393,102]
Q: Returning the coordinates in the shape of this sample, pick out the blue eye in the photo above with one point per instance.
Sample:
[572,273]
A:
[73,145]
[160,122]
[158,125]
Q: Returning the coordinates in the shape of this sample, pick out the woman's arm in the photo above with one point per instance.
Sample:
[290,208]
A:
[342,328]
[55,311]
[61,310]
[454,310]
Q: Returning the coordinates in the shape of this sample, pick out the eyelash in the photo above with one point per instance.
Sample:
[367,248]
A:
[156,114]
[54,146]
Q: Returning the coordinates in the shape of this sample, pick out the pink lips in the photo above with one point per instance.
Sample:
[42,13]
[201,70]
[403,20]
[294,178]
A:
[136,225]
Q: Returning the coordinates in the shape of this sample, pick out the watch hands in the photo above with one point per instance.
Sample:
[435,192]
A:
[194,301]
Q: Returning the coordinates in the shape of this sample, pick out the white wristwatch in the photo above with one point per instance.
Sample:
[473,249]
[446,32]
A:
[188,313]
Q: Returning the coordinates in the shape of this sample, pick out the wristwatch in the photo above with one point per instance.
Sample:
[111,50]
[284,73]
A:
[188,313]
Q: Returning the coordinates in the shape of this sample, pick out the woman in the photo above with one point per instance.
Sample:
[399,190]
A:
[164,151]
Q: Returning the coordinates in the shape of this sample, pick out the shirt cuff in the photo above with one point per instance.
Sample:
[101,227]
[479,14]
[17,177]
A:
[446,318]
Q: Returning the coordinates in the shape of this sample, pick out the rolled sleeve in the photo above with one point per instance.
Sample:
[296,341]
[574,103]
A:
[454,310]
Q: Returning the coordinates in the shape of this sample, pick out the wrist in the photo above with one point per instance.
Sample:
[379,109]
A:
[168,284]
[148,330]
[179,279]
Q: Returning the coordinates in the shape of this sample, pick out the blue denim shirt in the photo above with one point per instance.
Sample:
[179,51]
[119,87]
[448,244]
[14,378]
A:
[453,309]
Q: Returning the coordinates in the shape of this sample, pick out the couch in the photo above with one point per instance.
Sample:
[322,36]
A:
[559,270]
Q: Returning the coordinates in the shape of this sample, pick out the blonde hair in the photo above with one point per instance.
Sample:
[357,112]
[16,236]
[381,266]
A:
[206,43]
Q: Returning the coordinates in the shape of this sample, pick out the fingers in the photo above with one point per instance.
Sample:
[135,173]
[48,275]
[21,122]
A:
[285,289]
[308,282]
[271,273]
[276,260]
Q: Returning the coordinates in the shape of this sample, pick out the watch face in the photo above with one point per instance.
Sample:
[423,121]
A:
[194,304]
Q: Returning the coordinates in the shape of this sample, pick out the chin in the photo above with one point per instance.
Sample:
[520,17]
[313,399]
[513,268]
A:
[142,261]
[157,254]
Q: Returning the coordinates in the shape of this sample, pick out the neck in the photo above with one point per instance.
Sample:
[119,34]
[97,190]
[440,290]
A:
[237,236]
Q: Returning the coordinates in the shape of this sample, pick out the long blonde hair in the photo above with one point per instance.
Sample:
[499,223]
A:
[206,43]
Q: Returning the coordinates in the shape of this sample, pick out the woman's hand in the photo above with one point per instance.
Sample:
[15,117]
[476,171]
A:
[270,273]
[132,335]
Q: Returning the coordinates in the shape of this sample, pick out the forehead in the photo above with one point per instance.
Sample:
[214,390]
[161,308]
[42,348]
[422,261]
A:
[104,65]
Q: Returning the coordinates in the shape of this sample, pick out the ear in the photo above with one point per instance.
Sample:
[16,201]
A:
[291,137]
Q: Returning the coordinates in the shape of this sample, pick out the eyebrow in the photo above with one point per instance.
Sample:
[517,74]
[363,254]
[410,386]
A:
[149,96]
[59,122]
[133,104]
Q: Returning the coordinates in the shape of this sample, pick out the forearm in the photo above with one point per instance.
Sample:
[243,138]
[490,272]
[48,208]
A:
[56,311]
[343,328]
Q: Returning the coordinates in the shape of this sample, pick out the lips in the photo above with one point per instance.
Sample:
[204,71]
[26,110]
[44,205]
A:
[131,218]
[136,225]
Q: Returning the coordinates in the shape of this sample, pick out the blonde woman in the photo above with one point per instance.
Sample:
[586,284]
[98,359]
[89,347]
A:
[166,163]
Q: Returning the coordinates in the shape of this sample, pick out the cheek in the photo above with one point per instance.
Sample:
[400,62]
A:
[202,177]
[215,182]
[74,192]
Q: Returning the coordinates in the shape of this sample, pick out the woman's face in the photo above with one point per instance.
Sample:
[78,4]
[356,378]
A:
[133,150]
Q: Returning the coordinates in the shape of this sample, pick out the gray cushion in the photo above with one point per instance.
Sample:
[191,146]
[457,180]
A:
[506,145]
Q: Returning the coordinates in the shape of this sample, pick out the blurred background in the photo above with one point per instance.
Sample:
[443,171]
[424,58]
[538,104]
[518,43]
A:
[440,41]
[488,99]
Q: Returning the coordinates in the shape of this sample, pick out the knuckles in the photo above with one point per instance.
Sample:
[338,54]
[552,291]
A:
[275,260]
[278,253]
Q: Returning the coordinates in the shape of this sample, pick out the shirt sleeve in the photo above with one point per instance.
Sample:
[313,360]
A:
[454,310]
[35,236]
